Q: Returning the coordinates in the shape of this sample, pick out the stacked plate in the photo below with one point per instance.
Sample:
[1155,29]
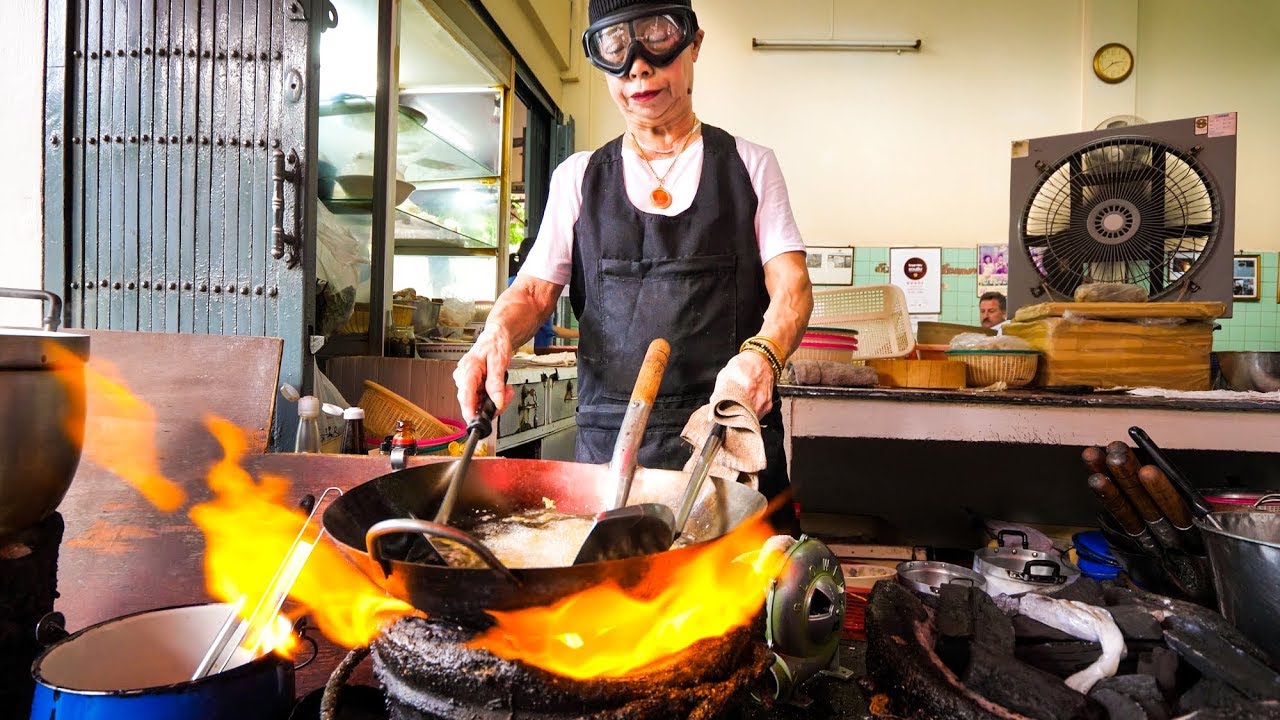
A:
[828,343]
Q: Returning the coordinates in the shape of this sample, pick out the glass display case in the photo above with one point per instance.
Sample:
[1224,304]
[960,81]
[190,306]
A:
[447,228]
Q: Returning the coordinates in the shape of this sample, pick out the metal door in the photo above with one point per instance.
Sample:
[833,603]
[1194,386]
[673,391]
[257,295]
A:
[176,135]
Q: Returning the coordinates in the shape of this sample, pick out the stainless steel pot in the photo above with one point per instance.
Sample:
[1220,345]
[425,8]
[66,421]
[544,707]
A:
[1016,570]
[1244,549]
[42,409]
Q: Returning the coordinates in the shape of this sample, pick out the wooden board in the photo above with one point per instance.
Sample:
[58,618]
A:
[919,373]
[1124,311]
[184,376]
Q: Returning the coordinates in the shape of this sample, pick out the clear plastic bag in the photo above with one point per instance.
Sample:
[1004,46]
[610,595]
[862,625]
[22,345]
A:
[977,341]
[338,258]
[1110,292]
[456,313]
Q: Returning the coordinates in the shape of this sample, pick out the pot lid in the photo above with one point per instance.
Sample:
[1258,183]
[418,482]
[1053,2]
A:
[1021,564]
[30,349]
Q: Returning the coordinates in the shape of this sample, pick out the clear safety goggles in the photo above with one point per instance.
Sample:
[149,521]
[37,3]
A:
[658,33]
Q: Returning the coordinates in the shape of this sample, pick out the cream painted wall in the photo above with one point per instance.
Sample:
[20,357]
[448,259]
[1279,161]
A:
[882,149]
[1200,58]
[22,243]
[540,31]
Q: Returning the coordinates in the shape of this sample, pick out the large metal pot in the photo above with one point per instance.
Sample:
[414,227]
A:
[138,667]
[505,486]
[42,409]
[1244,549]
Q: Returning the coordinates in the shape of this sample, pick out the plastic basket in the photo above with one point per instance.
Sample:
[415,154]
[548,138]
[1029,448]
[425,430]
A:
[1014,368]
[877,312]
[382,408]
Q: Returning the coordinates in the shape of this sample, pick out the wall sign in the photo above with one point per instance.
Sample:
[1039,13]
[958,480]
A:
[918,271]
[830,265]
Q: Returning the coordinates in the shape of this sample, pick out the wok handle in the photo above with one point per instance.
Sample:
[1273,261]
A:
[627,447]
[426,527]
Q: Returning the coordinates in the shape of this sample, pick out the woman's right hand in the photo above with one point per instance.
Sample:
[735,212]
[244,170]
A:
[484,369]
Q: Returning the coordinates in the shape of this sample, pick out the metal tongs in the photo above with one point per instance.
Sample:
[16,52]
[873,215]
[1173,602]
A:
[247,632]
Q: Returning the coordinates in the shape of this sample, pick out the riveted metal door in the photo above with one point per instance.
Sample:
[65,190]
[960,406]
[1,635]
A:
[176,136]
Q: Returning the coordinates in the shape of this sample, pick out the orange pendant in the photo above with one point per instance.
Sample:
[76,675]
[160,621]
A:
[661,198]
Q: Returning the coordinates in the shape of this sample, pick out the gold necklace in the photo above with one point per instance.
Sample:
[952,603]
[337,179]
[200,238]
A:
[660,196]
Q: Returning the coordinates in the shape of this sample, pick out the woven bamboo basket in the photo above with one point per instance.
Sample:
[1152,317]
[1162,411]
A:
[382,408]
[1015,368]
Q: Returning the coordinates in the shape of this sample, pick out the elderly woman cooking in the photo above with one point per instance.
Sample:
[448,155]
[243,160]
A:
[675,229]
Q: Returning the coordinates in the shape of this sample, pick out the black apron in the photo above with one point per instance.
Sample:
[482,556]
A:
[694,279]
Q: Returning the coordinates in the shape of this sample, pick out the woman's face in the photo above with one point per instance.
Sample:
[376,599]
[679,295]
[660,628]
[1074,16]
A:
[651,96]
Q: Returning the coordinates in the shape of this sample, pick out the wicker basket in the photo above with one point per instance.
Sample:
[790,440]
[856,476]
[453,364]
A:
[1015,368]
[879,314]
[358,323]
[382,408]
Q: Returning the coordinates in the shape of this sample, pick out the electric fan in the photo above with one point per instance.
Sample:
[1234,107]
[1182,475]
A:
[1151,205]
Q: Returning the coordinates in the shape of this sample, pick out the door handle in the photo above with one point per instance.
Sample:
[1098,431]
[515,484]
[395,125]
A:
[280,239]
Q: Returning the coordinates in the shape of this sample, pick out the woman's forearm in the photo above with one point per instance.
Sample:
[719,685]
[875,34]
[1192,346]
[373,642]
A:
[790,301]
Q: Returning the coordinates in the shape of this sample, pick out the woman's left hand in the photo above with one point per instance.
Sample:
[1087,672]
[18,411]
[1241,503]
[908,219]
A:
[753,372]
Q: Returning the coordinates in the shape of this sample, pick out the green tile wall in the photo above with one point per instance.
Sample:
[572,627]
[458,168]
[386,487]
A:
[1254,326]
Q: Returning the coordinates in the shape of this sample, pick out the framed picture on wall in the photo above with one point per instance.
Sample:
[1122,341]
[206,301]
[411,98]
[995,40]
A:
[830,265]
[993,269]
[1244,277]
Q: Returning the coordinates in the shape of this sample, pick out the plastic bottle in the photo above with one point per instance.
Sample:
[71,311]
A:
[308,439]
[353,433]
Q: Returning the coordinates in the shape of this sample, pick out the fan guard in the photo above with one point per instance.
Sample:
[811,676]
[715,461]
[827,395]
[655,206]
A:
[1121,209]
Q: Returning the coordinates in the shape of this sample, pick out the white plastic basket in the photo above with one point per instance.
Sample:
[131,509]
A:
[877,312]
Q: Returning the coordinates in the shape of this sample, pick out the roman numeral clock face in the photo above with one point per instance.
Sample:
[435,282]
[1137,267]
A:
[1113,63]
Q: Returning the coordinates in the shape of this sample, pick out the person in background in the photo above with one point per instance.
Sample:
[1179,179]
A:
[548,334]
[991,309]
[674,229]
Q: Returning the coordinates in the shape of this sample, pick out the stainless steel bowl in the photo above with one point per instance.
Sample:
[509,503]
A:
[1257,371]
[928,576]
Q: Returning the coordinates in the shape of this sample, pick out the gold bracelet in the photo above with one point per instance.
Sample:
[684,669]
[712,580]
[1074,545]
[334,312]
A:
[777,349]
[761,349]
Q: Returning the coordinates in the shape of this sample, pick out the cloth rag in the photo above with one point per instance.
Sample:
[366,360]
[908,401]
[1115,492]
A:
[830,373]
[743,448]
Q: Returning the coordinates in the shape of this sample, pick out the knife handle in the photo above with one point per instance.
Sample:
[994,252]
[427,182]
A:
[1095,459]
[1171,504]
[1199,506]
[1124,468]
[1114,503]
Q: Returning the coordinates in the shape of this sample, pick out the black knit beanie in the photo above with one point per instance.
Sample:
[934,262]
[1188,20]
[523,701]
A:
[604,8]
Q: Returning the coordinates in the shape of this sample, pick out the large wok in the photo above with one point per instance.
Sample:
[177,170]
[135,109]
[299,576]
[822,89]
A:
[505,486]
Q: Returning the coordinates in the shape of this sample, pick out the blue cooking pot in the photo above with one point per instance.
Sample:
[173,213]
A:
[138,667]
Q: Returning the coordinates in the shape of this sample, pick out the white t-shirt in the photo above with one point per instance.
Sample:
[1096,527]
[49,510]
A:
[551,258]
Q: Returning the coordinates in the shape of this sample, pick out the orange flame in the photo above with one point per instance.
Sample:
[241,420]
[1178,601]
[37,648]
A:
[249,526]
[249,529]
[605,631]
[123,427]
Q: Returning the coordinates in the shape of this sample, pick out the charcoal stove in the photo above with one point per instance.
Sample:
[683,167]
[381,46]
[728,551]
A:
[429,671]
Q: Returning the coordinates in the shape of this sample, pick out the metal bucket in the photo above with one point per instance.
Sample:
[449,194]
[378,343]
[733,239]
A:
[42,414]
[1244,549]
[138,667]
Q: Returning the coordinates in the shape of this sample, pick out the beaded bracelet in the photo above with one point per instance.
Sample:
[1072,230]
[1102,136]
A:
[777,349]
[763,349]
